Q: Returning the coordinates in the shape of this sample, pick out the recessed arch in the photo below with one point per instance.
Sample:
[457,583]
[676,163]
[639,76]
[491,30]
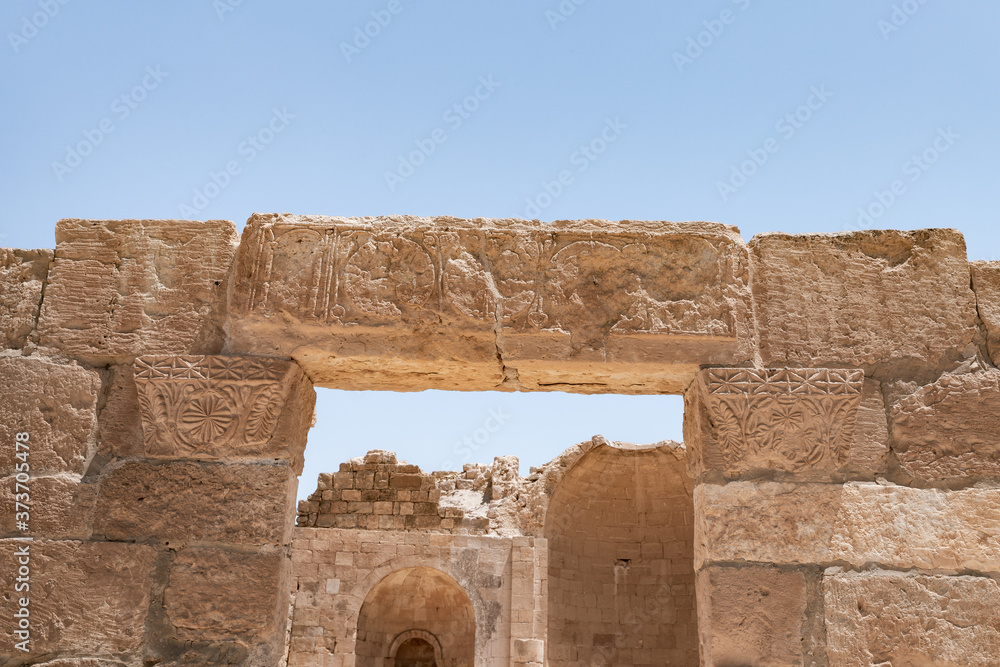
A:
[416,603]
[620,531]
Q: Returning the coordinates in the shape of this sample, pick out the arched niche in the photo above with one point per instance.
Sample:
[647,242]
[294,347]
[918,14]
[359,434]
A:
[420,604]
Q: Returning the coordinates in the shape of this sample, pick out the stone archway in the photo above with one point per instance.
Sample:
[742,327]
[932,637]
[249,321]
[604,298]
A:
[416,604]
[416,648]
[621,559]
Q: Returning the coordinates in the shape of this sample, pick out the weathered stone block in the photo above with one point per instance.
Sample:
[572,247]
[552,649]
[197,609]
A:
[56,405]
[809,422]
[864,299]
[88,598]
[22,274]
[751,615]
[216,407]
[896,618]
[60,507]
[857,523]
[950,428]
[183,501]
[121,288]
[986,284]
[405,303]
[213,594]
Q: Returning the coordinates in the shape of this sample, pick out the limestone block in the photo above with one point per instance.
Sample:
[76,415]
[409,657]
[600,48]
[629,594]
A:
[183,501]
[22,274]
[881,618]
[751,616]
[213,594]
[56,405]
[950,428]
[121,288]
[407,303]
[986,284]
[59,507]
[810,422]
[857,523]
[216,407]
[86,598]
[864,298]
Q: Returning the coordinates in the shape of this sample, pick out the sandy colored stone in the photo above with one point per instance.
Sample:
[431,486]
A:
[809,423]
[60,507]
[857,523]
[895,301]
[986,284]
[87,598]
[81,662]
[182,502]
[880,618]
[950,428]
[220,407]
[751,616]
[121,288]
[56,405]
[120,422]
[405,302]
[213,594]
[22,275]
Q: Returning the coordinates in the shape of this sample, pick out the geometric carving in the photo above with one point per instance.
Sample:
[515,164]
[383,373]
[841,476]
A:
[210,406]
[781,419]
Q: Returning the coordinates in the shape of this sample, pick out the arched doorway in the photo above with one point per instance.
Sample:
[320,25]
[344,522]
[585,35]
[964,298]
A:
[621,560]
[416,617]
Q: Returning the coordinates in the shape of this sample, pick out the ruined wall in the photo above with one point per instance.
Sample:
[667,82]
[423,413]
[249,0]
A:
[840,429]
[159,485]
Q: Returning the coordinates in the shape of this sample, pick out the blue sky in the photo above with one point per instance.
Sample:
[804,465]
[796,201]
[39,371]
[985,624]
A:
[790,116]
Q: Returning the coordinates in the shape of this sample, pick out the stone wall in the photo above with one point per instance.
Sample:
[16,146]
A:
[842,484]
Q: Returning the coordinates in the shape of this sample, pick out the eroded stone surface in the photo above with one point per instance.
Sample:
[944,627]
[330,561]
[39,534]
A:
[196,502]
[950,428]
[878,618]
[986,283]
[895,301]
[60,507]
[121,288]
[407,302]
[810,422]
[857,523]
[216,407]
[216,595]
[55,404]
[86,598]
[751,615]
[22,275]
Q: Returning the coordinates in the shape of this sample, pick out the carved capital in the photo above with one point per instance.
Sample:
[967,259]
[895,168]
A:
[212,407]
[793,420]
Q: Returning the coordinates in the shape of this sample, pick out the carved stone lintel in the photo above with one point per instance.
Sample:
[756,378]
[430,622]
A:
[801,421]
[212,407]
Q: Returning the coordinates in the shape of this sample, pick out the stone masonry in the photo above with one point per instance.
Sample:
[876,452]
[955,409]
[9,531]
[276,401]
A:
[835,503]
